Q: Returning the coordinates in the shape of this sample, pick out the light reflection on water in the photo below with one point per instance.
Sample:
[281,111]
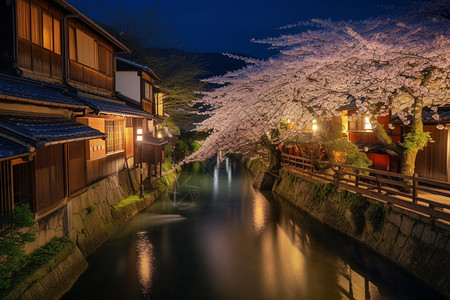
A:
[235,244]
[144,261]
[260,211]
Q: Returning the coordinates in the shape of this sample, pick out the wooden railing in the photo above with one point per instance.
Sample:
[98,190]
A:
[422,195]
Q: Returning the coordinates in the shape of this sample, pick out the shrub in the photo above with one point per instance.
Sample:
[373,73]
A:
[358,206]
[321,191]
[375,215]
[12,243]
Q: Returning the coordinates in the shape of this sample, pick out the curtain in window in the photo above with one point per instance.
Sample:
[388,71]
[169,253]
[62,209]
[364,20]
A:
[86,49]
[57,36]
[23,19]
[72,44]
[36,28]
[47,30]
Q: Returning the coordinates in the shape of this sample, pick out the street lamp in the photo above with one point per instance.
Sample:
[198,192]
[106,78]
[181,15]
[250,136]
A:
[140,139]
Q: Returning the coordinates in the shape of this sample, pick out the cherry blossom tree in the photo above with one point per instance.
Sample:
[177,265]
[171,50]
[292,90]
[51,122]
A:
[392,64]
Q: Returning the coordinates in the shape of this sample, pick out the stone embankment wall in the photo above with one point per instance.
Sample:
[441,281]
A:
[254,165]
[412,241]
[53,279]
[88,220]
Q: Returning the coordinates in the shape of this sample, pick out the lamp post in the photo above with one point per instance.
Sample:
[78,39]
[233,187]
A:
[140,139]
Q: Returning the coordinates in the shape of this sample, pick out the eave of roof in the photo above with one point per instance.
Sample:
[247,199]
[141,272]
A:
[93,25]
[45,131]
[34,92]
[148,139]
[111,107]
[133,66]
[10,149]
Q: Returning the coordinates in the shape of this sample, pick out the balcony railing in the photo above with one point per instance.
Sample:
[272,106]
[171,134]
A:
[422,195]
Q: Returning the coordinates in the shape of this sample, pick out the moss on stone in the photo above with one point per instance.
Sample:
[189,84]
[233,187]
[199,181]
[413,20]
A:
[375,215]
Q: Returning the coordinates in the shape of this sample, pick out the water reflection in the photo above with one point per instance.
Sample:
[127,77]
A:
[144,261]
[260,211]
[235,243]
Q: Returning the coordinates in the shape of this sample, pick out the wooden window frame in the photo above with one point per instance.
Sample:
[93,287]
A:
[40,40]
[114,130]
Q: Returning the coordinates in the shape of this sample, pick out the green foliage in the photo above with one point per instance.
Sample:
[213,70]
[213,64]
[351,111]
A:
[416,140]
[168,162]
[43,254]
[91,208]
[187,144]
[375,215]
[12,243]
[321,191]
[358,206]
[181,149]
[340,150]
[34,261]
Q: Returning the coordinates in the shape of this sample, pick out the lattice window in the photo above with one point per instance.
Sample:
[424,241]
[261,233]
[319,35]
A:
[109,130]
[114,135]
[128,122]
[118,135]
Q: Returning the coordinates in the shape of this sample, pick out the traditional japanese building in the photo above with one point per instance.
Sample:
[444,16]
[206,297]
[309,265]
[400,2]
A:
[62,127]
[136,84]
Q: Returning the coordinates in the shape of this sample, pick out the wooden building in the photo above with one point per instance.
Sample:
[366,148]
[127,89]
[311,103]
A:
[61,126]
[136,84]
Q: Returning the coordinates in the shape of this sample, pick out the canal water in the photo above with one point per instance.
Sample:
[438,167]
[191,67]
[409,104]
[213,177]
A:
[214,237]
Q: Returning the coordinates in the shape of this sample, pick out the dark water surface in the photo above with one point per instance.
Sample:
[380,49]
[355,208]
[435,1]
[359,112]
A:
[214,237]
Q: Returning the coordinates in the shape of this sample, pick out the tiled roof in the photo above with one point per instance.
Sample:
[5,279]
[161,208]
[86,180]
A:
[9,148]
[36,91]
[148,139]
[41,131]
[427,116]
[128,65]
[112,107]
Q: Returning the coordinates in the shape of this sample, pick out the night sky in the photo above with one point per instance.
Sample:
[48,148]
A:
[227,26]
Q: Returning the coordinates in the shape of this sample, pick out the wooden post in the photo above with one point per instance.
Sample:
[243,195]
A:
[357,178]
[378,183]
[414,186]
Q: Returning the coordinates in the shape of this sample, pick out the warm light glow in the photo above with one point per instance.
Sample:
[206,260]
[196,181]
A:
[440,126]
[139,138]
[159,135]
[144,261]
[267,133]
[260,211]
[314,121]
[314,126]
[139,131]
[367,125]
[289,121]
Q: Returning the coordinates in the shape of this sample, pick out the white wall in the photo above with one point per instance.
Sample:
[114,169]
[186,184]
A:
[128,84]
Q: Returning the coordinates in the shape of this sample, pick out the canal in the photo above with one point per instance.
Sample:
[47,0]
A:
[214,237]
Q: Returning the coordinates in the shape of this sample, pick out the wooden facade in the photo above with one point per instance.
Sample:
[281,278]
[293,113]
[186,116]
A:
[50,177]
[79,54]
[434,160]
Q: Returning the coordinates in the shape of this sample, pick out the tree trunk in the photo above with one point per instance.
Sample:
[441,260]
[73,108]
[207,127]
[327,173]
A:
[407,164]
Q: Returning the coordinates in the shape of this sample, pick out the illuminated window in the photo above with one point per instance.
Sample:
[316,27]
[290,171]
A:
[367,125]
[38,26]
[359,123]
[23,19]
[147,90]
[114,135]
[87,51]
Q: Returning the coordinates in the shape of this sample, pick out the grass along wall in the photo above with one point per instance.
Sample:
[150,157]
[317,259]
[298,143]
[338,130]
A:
[406,238]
